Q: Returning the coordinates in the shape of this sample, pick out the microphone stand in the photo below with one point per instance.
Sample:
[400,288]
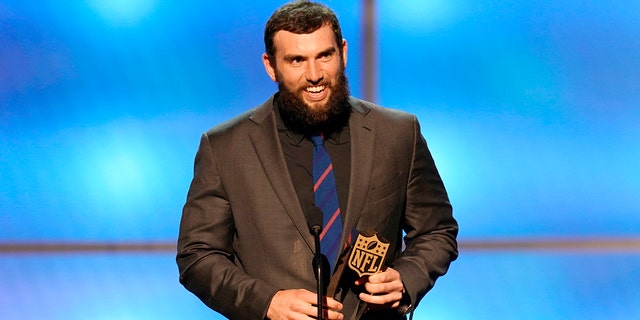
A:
[316,230]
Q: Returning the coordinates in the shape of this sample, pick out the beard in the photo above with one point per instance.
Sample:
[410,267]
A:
[301,118]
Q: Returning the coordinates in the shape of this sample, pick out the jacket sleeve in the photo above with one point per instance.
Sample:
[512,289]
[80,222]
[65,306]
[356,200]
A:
[430,228]
[205,258]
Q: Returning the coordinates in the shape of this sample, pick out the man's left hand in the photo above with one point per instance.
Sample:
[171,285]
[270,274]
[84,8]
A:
[383,289]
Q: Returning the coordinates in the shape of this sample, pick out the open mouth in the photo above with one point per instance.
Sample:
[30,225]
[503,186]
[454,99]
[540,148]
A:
[316,93]
[315,89]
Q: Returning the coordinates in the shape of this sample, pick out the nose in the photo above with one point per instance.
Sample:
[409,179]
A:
[314,72]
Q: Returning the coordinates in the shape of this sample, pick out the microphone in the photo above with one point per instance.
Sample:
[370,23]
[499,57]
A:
[314,218]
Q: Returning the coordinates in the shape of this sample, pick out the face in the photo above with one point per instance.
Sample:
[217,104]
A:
[308,66]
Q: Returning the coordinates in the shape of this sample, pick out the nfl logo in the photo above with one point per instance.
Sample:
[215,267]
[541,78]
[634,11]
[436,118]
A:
[368,255]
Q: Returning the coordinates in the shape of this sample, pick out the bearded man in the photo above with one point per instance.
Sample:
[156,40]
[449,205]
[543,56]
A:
[244,246]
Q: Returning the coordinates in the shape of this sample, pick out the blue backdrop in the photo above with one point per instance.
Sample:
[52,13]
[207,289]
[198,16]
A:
[531,110]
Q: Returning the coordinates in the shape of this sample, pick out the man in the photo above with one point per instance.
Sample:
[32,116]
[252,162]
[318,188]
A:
[245,248]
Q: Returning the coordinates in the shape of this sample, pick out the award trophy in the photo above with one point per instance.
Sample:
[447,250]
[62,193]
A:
[365,257]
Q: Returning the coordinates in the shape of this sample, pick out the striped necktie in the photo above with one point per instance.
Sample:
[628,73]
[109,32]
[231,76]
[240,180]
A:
[326,197]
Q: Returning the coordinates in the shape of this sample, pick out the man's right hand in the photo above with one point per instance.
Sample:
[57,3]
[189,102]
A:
[301,304]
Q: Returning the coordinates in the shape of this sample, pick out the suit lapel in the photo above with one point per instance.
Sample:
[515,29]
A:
[267,145]
[362,130]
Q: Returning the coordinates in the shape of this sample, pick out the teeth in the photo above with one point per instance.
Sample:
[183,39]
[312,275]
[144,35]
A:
[315,89]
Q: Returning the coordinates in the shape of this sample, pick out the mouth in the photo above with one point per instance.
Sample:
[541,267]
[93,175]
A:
[315,89]
[316,93]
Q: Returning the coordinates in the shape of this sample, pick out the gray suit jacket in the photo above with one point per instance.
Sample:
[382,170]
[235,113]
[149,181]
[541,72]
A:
[244,235]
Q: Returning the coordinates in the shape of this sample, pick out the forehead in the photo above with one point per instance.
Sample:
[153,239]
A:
[289,43]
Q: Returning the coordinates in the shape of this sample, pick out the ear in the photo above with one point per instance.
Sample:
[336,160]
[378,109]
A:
[271,70]
[344,52]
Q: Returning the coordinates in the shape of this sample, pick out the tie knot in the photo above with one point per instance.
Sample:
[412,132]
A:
[317,140]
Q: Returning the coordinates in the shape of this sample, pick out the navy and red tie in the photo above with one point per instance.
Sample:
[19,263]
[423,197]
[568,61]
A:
[326,197]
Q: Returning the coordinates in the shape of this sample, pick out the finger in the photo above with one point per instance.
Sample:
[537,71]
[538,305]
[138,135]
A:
[307,303]
[378,278]
[290,304]
[332,314]
[307,296]
[391,299]
[333,304]
[304,302]
[387,275]
[381,288]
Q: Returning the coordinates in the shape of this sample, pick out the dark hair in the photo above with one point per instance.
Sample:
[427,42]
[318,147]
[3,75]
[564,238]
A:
[300,17]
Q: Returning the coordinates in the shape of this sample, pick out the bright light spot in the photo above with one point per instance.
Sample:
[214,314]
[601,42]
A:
[123,170]
[123,12]
[420,15]
[123,174]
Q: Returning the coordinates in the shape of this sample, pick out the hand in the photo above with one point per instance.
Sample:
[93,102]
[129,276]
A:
[384,289]
[301,304]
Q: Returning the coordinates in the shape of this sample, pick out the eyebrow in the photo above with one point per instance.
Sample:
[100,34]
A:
[328,51]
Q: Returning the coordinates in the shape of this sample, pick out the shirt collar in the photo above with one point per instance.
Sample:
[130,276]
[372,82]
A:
[295,138]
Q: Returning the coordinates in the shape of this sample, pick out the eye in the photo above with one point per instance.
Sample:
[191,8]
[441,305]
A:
[326,56]
[295,61]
